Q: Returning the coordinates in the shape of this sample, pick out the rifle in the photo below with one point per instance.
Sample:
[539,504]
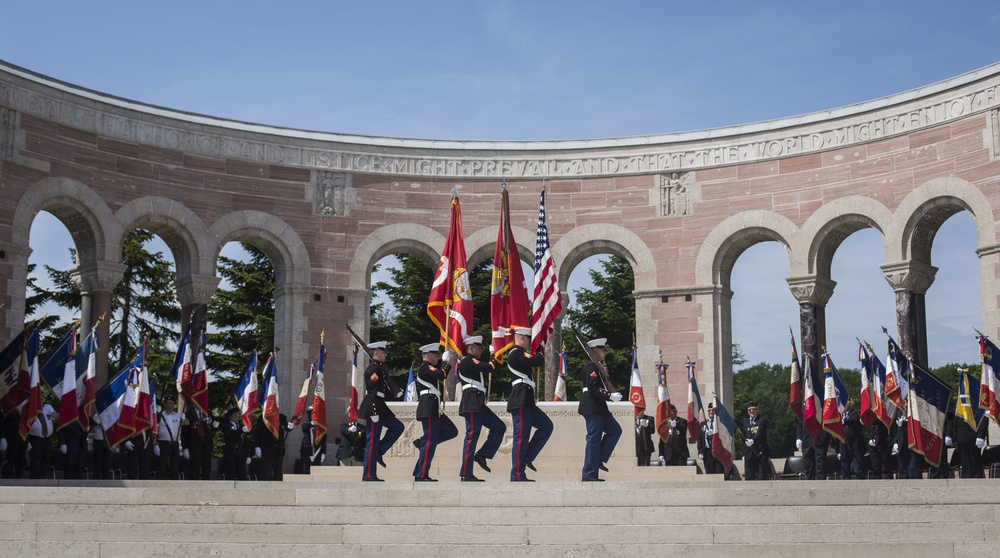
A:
[600,366]
[393,386]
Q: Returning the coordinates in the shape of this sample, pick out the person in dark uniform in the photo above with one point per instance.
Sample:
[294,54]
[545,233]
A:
[271,449]
[852,449]
[310,453]
[40,442]
[910,464]
[12,446]
[198,436]
[603,431]
[674,450]
[437,427]
[231,465]
[880,450]
[524,411]
[970,443]
[101,454]
[757,453]
[139,455]
[168,444]
[814,450]
[473,373]
[377,414]
[351,450]
[704,444]
[73,444]
[644,429]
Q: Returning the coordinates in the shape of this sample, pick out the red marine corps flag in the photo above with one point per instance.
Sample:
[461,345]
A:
[450,302]
[508,297]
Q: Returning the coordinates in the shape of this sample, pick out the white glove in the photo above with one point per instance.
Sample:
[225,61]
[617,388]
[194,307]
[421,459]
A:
[798,444]
[185,454]
[256,451]
[373,418]
[662,459]
[156,450]
[28,448]
[701,456]
[96,419]
[449,356]
[3,444]
[353,427]
[616,397]
[62,449]
[248,461]
[750,443]
[871,442]
[980,443]
[215,424]
[290,427]
[838,457]
[245,429]
[673,423]
[895,449]
[322,457]
[129,445]
[947,440]
[899,422]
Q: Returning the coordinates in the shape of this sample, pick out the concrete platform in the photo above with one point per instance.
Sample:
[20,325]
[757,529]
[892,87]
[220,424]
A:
[100,519]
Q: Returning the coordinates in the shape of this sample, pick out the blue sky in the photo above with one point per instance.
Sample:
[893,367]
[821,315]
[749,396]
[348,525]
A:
[548,70]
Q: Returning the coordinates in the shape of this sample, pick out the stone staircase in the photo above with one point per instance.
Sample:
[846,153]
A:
[71,519]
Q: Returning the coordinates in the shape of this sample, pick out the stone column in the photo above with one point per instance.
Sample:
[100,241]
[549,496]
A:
[552,348]
[14,278]
[720,357]
[910,281]
[812,292]
[97,281]
[194,292]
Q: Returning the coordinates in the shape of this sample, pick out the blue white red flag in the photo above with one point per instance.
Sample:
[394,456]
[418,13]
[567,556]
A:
[69,410]
[302,401]
[834,399]
[989,385]
[146,405]
[795,384]
[29,369]
[812,405]
[560,392]
[54,368]
[319,399]
[116,402]
[86,376]
[662,402]
[635,394]
[722,440]
[884,409]
[928,403]
[199,381]
[268,396]
[897,365]
[696,413]
[866,407]
[183,370]
[13,390]
[352,400]
[246,392]
[411,388]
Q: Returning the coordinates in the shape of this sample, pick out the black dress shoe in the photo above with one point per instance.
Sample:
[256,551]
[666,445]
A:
[424,479]
[530,465]
[603,467]
[373,480]
[525,479]
[481,461]
[472,478]
[592,479]
[380,462]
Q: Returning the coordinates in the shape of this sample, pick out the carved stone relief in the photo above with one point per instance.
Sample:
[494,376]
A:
[678,192]
[334,195]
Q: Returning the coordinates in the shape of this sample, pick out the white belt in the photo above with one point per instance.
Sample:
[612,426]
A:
[431,391]
[522,378]
[380,394]
[523,381]
[474,386]
[470,383]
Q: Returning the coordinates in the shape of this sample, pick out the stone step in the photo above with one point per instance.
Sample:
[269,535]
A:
[400,471]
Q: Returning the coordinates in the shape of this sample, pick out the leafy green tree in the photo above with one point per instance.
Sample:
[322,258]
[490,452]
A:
[241,314]
[410,326]
[767,384]
[606,311]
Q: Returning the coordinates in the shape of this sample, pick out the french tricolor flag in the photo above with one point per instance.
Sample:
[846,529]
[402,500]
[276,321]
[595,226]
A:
[86,376]
[116,402]
[269,396]
[69,410]
[722,440]
[246,391]
[812,410]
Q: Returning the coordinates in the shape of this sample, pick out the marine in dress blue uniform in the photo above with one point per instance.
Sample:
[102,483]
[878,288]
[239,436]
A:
[473,372]
[603,431]
[437,427]
[523,409]
[377,414]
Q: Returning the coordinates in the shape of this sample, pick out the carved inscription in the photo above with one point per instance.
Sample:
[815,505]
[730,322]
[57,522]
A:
[6,133]
[654,157]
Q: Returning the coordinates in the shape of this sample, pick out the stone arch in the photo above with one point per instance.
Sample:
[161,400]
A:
[482,244]
[410,238]
[588,240]
[730,238]
[93,227]
[830,225]
[923,210]
[178,226]
[272,236]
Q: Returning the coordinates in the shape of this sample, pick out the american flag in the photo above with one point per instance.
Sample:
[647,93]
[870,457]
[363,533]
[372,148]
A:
[547,303]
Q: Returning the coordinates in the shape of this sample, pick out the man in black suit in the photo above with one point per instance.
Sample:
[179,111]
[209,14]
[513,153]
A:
[674,450]
[644,430]
[757,454]
[971,442]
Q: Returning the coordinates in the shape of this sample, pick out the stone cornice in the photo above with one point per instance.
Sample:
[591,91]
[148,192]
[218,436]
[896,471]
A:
[110,116]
